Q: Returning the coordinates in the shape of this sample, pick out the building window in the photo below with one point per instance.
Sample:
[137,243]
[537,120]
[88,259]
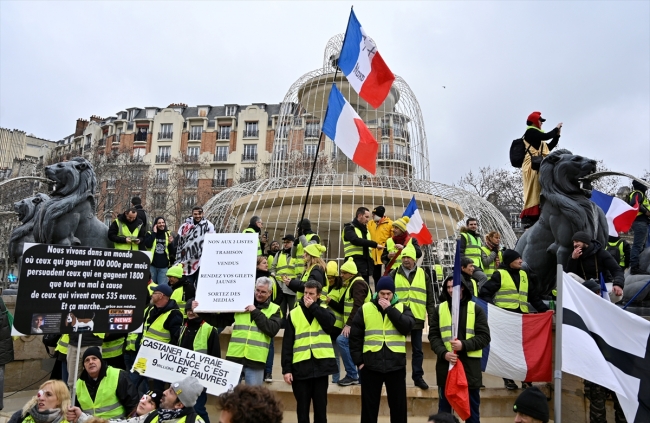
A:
[221,154]
[515,221]
[224,132]
[159,201]
[192,178]
[280,152]
[138,177]
[165,131]
[250,153]
[220,178]
[310,151]
[110,201]
[138,154]
[189,201]
[231,110]
[111,182]
[141,135]
[252,130]
[195,132]
[398,130]
[192,154]
[312,129]
[385,151]
[151,113]
[88,141]
[161,177]
[400,152]
[164,154]
[283,130]
[249,174]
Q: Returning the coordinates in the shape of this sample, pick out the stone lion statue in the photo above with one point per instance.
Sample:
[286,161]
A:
[26,209]
[566,209]
[68,218]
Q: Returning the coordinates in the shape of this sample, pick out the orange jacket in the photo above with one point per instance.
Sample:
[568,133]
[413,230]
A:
[380,232]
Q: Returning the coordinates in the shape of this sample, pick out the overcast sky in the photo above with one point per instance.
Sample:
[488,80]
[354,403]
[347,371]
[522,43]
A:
[586,64]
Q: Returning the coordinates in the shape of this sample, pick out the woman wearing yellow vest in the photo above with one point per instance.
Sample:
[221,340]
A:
[314,269]
[473,336]
[335,290]
[182,289]
[492,257]
[378,349]
[49,405]
[307,353]
[148,404]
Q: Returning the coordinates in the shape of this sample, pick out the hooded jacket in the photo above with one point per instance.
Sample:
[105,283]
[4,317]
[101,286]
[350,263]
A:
[595,259]
[384,360]
[380,232]
[189,291]
[159,260]
[125,393]
[142,215]
[314,367]
[490,288]
[431,298]
[113,230]
[365,263]
[480,340]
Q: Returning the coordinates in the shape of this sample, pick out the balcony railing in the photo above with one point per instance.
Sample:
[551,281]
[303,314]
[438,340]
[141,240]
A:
[191,158]
[101,142]
[162,159]
[116,140]
[280,156]
[253,133]
[195,136]
[385,132]
[249,157]
[191,183]
[137,159]
[224,135]
[220,158]
[160,183]
[393,156]
[247,178]
[165,135]
[86,146]
[219,182]
[312,132]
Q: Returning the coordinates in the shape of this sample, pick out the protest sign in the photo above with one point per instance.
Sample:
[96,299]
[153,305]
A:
[65,289]
[171,363]
[227,276]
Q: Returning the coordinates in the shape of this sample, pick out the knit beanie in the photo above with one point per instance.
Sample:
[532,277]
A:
[401,223]
[92,351]
[332,269]
[188,390]
[379,211]
[509,256]
[156,396]
[188,304]
[581,237]
[638,186]
[176,271]
[349,267]
[315,250]
[305,224]
[409,251]
[385,283]
[533,403]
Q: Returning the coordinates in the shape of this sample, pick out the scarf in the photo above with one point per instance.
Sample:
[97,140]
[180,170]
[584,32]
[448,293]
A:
[400,239]
[173,414]
[47,416]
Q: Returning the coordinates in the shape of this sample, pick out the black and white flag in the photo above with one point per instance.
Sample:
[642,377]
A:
[608,346]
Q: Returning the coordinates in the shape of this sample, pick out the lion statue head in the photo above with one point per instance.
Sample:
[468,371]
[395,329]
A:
[26,209]
[75,182]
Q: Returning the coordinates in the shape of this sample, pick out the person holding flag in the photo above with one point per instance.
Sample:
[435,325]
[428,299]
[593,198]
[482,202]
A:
[458,332]
[395,245]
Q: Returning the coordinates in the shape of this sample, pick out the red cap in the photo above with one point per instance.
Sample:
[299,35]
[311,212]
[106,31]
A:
[535,118]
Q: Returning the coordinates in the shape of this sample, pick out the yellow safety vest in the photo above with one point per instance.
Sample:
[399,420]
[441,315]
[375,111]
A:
[439,272]
[508,297]
[259,244]
[390,245]
[309,338]
[181,420]
[298,262]
[112,349]
[336,294]
[473,248]
[445,326]
[381,331]
[353,250]
[123,230]
[304,279]
[282,266]
[621,255]
[62,344]
[247,340]
[30,419]
[178,295]
[200,343]
[155,242]
[413,295]
[156,330]
[644,201]
[348,301]
[106,404]
[489,269]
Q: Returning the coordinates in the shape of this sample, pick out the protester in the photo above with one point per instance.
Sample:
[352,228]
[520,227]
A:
[620,250]
[471,247]
[281,266]
[277,297]
[182,288]
[314,269]
[306,236]
[308,355]
[113,349]
[492,256]
[157,241]
[87,340]
[177,403]
[249,404]
[255,227]
[443,418]
[136,203]
[467,270]
[473,335]
[148,403]
[413,287]
[378,349]
[335,290]
[392,254]
[357,243]
[61,351]
[639,226]
[49,405]
[380,228]
[274,247]
[189,245]
[126,231]
[102,390]
[531,406]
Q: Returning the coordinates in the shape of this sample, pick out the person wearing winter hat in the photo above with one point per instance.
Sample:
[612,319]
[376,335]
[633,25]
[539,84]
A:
[314,269]
[147,405]
[414,288]
[157,242]
[401,240]
[356,293]
[357,243]
[531,406]
[639,226]
[182,289]
[589,260]
[380,228]
[471,246]
[255,226]
[534,138]
[335,290]
[104,391]
[305,237]
[283,265]
[508,288]
[473,336]
[378,349]
[178,401]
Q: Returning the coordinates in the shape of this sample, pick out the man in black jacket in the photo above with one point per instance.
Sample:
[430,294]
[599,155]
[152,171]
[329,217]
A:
[307,355]
[355,234]
[378,348]
[639,226]
[136,203]
[589,259]
[87,340]
[126,231]
[466,347]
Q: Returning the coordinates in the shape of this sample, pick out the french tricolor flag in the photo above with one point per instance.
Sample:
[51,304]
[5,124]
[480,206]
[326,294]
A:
[416,227]
[344,126]
[520,346]
[619,214]
[363,66]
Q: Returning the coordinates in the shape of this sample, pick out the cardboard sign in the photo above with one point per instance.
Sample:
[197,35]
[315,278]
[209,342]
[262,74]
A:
[227,275]
[171,363]
[66,289]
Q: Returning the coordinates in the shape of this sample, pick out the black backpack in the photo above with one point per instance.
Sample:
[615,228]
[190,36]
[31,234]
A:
[517,152]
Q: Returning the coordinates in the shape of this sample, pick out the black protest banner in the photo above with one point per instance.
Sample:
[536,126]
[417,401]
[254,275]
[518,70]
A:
[81,289]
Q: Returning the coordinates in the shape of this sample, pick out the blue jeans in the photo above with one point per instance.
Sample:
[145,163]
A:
[344,348]
[253,377]
[199,407]
[640,230]
[158,274]
[64,370]
[417,357]
[337,355]
[269,359]
[138,381]
[474,404]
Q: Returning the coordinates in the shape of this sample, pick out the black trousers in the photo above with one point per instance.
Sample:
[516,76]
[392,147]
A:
[371,384]
[377,272]
[310,391]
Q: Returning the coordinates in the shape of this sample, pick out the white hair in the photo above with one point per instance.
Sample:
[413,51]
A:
[264,281]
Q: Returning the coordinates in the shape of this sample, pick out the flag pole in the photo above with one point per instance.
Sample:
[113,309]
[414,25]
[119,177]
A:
[557,374]
[322,134]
